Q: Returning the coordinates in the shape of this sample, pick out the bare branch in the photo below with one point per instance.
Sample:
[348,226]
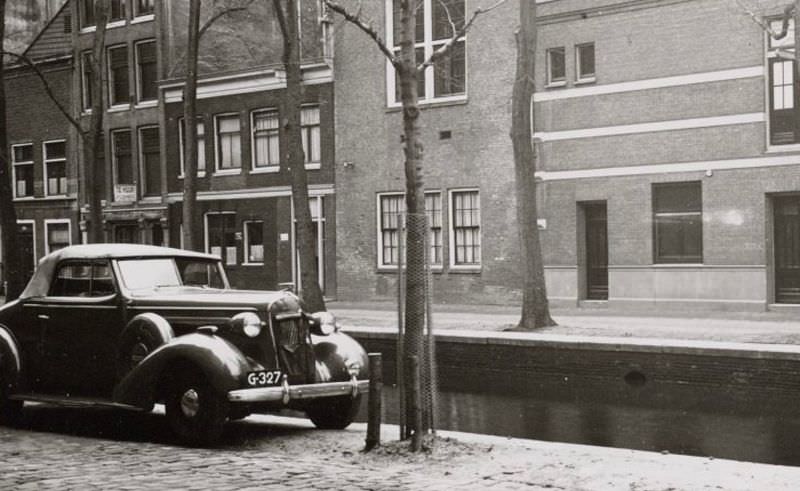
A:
[446,47]
[787,15]
[281,18]
[368,29]
[48,90]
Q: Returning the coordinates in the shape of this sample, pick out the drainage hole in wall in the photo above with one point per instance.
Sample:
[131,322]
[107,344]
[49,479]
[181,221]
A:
[635,378]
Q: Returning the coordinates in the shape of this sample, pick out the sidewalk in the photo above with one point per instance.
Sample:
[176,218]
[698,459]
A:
[741,327]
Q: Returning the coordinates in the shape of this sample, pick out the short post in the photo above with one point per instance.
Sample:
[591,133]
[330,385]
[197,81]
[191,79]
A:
[412,364]
[374,402]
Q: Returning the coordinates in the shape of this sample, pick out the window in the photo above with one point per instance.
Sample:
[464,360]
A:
[221,236]
[58,235]
[22,160]
[117,10]
[433,210]
[118,84]
[83,279]
[784,99]
[55,168]
[86,79]
[146,73]
[201,147]
[677,223]
[229,144]
[309,127]
[391,222]
[266,141]
[143,7]
[447,77]
[466,228]
[584,62]
[151,160]
[254,242]
[124,184]
[556,66]
[87,13]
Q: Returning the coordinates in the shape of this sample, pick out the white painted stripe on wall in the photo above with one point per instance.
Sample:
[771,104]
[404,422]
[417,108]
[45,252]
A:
[702,166]
[627,129]
[651,83]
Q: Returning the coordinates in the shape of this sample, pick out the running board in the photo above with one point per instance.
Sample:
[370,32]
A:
[67,401]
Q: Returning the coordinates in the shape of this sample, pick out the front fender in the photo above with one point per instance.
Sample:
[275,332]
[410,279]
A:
[335,354]
[221,362]
[10,361]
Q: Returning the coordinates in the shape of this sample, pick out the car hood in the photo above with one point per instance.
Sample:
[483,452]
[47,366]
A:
[206,297]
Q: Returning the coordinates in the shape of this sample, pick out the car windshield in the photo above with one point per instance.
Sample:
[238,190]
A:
[138,274]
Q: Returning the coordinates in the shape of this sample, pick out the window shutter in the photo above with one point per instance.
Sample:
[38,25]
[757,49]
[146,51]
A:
[119,57]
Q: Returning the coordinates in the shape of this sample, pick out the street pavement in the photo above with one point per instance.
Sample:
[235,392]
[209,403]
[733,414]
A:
[60,448]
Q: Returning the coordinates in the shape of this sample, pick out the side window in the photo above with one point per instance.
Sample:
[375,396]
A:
[82,279]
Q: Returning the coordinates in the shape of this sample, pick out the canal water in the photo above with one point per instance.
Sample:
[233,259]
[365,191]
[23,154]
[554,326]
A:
[766,431]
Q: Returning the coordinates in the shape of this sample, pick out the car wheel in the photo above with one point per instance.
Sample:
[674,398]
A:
[195,411]
[142,336]
[335,413]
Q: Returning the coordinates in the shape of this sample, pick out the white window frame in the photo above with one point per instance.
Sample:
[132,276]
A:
[548,63]
[181,143]
[138,75]
[429,46]
[579,77]
[234,170]
[110,77]
[114,163]
[440,265]
[310,165]
[32,223]
[54,221]
[319,219]
[15,164]
[85,84]
[452,232]
[53,161]
[205,235]
[269,168]
[770,52]
[143,17]
[379,231]
[140,157]
[246,253]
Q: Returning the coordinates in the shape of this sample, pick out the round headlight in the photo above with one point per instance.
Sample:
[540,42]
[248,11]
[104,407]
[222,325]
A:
[324,323]
[248,323]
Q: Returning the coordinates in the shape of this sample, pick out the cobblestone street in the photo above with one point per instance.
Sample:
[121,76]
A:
[61,448]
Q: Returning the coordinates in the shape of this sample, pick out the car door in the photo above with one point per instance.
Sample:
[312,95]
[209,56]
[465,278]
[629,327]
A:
[80,319]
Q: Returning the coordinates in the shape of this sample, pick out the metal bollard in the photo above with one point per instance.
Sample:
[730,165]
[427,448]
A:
[374,402]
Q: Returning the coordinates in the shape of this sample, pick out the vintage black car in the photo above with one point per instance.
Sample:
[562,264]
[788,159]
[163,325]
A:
[130,326]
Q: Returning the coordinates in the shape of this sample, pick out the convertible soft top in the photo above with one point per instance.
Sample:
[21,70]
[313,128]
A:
[40,283]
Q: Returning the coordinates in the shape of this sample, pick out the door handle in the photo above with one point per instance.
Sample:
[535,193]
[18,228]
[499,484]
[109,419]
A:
[44,316]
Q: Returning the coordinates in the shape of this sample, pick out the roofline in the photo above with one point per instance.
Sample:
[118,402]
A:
[49,22]
[44,61]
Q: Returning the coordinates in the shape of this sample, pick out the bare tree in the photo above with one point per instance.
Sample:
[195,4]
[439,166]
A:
[8,214]
[535,309]
[190,211]
[408,71]
[292,153]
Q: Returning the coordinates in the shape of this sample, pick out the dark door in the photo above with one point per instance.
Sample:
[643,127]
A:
[596,252]
[25,242]
[127,233]
[787,249]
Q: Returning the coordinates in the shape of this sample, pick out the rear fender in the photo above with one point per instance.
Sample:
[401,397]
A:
[339,357]
[221,362]
[10,361]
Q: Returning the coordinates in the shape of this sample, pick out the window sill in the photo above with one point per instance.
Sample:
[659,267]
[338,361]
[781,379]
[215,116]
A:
[555,85]
[252,264]
[795,147]
[143,18]
[150,200]
[426,103]
[393,269]
[471,269]
[146,104]
[115,24]
[199,174]
[273,169]
[313,166]
[119,108]
[56,196]
[86,112]
[88,29]
[25,198]
[231,172]
[585,81]
[677,265]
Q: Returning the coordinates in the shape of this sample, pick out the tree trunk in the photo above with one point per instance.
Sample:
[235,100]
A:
[11,259]
[292,156]
[535,310]
[191,220]
[95,170]
[416,226]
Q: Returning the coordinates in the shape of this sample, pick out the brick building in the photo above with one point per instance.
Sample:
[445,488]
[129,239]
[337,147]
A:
[668,139]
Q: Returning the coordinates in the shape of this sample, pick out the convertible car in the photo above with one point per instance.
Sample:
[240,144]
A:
[129,326]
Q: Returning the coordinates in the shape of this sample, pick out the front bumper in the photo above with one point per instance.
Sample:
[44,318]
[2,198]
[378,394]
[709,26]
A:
[287,393]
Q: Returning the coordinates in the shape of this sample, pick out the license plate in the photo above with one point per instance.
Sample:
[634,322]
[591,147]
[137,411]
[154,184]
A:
[264,378]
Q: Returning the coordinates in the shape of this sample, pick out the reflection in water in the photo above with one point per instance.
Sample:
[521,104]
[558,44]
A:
[769,437]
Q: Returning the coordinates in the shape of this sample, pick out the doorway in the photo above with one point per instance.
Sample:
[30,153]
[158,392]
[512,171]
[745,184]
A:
[127,233]
[596,251]
[26,244]
[787,249]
